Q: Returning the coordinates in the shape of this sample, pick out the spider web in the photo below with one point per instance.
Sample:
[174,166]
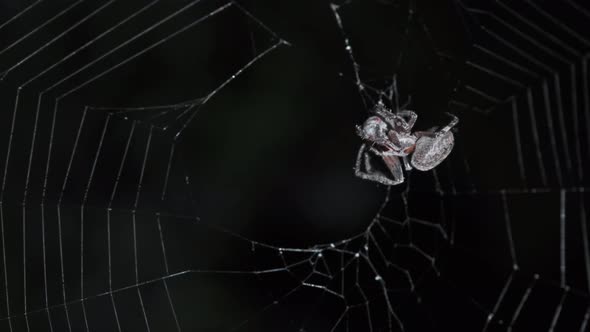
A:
[185,166]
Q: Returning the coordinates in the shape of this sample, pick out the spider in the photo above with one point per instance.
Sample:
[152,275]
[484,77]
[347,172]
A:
[388,135]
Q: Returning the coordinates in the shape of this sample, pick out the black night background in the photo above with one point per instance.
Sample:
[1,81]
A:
[187,165]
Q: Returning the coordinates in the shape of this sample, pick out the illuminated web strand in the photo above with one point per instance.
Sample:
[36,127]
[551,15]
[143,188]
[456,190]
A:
[135,260]
[66,177]
[585,321]
[571,66]
[348,48]
[558,309]
[65,181]
[21,13]
[550,44]
[522,302]
[221,86]
[5,266]
[562,244]
[35,132]
[32,32]
[167,271]
[63,188]
[109,253]
[499,300]
[519,155]
[586,245]
[82,210]
[554,54]
[534,60]
[508,223]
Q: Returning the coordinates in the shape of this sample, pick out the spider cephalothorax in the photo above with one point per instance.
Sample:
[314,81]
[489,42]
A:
[388,135]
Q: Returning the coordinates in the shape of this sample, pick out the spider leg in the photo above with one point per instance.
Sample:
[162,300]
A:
[407,103]
[428,133]
[377,152]
[407,165]
[364,159]
[395,167]
[448,127]
[432,132]
[385,114]
[410,117]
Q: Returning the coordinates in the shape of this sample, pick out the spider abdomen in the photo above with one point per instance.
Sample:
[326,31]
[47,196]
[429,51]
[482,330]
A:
[431,151]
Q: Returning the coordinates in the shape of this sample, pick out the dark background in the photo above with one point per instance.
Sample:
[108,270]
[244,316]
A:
[248,216]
